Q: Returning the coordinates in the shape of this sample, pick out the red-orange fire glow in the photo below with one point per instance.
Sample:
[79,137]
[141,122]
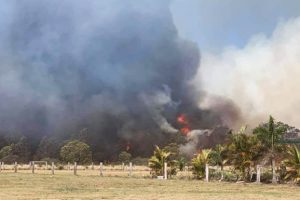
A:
[182,120]
[185,130]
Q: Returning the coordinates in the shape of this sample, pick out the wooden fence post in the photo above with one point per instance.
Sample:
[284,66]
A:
[46,165]
[123,166]
[206,172]
[101,169]
[75,168]
[258,173]
[165,171]
[92,166]
[130,169]
[2,165]
[68,165]
[52,168]
[16,167]
[32,167]
[274,181]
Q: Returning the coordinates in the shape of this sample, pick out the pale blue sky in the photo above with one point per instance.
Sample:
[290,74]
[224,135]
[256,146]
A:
[214,24]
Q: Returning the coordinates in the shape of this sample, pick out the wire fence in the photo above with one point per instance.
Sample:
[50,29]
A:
[212,173]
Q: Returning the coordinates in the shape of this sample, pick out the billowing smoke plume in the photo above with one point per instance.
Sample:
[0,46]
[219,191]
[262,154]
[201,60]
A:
[115,69]
[193,138]
[262,78]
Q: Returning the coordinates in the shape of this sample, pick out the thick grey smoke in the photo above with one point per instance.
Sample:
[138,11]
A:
[156,104]
[114,68]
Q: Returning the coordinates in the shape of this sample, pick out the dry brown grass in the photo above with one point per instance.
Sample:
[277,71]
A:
[117,185]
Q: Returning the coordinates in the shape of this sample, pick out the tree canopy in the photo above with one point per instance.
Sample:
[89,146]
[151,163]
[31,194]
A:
[76,151]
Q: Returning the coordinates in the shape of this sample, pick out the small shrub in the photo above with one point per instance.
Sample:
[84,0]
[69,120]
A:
[282,172]
[230,176]
[124,157]
[172,170]
[10,159]
[60,167]
[140,161]
[214,174]
[6,151]
[181,163]
[266,177]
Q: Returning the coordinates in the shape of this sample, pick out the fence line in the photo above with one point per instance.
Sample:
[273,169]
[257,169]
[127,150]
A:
[131,170]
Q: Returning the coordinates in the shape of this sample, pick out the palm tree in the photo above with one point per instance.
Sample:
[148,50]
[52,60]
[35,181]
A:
[270,135]
[293,164]
[243,152]
[181,163]
[156,162]
[199,163]
[271,132]
[218,156]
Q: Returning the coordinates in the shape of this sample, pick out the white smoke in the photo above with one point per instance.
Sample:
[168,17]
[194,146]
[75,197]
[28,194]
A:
[261,78]
[193,138]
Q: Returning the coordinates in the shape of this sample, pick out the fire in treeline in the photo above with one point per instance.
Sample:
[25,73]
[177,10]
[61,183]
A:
[114,74]
[182,120]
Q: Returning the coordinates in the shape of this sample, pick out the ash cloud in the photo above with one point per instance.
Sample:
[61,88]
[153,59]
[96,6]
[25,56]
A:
[114,68]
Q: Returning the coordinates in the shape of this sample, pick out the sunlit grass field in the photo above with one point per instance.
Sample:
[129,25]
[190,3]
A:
[116,184]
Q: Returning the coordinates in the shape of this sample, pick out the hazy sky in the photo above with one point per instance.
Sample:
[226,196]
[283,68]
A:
[214,24]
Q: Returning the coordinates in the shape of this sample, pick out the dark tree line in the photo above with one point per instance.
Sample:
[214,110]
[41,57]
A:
[263,144]
[20,148]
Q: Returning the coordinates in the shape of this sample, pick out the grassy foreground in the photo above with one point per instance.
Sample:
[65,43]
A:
[66,186]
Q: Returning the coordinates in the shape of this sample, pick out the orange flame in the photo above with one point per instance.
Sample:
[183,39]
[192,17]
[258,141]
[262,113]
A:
[185,130]
[181,119]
